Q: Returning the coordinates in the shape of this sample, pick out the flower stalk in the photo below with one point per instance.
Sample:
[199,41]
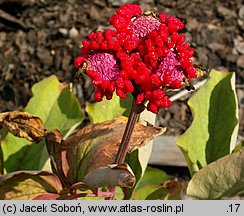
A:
[124,145]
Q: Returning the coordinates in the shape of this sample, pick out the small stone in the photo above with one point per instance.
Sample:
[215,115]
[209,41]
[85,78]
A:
[118,3]
[192,24]
[73,32]
[63,31]
[240,61]
[225,12]
[216,46]
[45,57]
[232,58]
[240,23]
[213,60]
[95,13]
[239,44]
[202,57]
[241,12]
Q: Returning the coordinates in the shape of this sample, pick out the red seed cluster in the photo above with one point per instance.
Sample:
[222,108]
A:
[145,55]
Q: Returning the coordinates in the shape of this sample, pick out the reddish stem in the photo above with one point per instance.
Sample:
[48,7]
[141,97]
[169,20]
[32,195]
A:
[124,145]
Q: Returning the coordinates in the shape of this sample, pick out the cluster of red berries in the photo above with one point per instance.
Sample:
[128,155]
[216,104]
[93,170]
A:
[144,55]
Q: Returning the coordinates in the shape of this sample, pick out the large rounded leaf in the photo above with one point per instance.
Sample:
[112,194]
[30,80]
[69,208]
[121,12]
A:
[58,108]
[213,132]
[220,179]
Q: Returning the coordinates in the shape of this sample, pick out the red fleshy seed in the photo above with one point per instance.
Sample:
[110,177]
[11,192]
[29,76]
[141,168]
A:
[129,10]
[108,95]
[105,84]
[86,44]
[95,45]
[111,87]
[120,83]
[99,37]
[142,49]
[163,17]
[127,64]
[159,42]
[92,74]
[181,39]
[166,78]
[92,36]
[148,95]
[176,84]
[156,80]
[167,102]
[79,62]
[128,86]
[132,73]
[97,82]
[152,107]
[121,93]
[104,45]
[153,34]
[118,22]
[140,98]
[99,93]
[191,72]
[85,51]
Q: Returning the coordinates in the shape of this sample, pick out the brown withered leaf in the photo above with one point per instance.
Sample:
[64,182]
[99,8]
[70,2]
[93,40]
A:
[113,175]
[96,145]
[23,124]
[54,142]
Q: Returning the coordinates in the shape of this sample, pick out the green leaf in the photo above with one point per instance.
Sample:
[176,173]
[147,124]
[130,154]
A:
[152,176]
[28,185]
[213,132]
[144,192]
[220,179]
[159,194]
[150,182]
[170,190]
[109,109]
[58,108]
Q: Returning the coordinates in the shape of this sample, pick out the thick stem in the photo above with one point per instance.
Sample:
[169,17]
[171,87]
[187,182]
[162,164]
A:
[124,145]
[123,148]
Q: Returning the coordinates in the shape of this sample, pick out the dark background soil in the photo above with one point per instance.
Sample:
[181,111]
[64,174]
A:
[39,38]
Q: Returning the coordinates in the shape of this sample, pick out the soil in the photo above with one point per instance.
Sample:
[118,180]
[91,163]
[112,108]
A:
[39,38]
